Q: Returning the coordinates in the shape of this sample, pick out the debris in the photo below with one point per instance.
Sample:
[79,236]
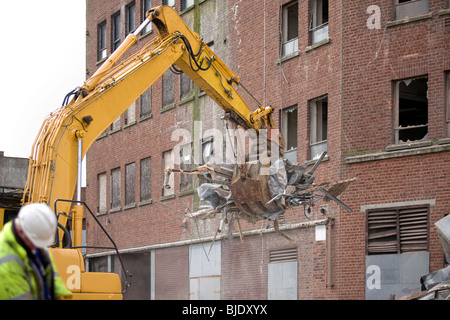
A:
[436,285]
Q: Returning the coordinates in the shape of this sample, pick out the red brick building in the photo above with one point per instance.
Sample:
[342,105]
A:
[367,81]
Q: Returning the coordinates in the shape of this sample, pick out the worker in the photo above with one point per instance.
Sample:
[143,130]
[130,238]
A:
[27,270]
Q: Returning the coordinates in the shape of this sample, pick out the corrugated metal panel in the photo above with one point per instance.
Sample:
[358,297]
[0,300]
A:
[283,255]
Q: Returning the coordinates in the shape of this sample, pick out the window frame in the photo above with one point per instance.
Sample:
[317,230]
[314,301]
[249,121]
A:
[318,29]
[116,200]
[289,45]
[146,5]
[102,51]
[286,131]
[130,184]
[396,125]
[130,17]
[142,180]
[115,42]
[316,123]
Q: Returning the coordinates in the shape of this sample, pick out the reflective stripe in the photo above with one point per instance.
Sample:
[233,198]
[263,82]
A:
[12,257]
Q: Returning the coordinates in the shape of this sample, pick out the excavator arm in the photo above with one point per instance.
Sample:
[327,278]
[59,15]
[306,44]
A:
[67,134]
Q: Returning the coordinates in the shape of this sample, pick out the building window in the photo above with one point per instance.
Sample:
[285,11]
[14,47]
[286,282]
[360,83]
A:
[131,17]
[168,184]
[115,188]
[319,126]
[146,103]
[290,28]
[146,5]
[145,180]
[186,163]
[411,110]
[447,100]
[319,21]
[185,85]
[130,114]
[169,3]
[130,171]
[410,8]
[289,130]
[101,192]
[168,89]
[115,126]
[101,45]
[207,150]
[115,39]
[397,230]
[186,4]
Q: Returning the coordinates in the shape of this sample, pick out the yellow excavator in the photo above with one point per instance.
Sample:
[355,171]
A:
[54,174]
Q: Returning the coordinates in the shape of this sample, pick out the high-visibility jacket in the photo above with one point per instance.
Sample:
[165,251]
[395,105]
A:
[20,277]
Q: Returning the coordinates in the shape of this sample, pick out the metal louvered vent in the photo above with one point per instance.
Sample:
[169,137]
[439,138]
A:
[283,255]
[397,230]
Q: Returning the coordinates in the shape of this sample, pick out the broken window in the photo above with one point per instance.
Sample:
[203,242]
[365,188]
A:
[289,130]
[130,170]
[146,103]
[168,97]
[115,188]
[130,114]
[115,39]
[101,41]
[145,180]
[410,8]
[186,163]
[131,17]
[101,193]
[411,114]
[318,25]
[319,126]
[447,98]
[146,5]
[168,185]
[290,28]
[397,230]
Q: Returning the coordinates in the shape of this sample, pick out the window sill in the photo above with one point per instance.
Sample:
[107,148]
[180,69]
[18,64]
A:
[402,150]
[185,192]
[102,135]
[170,196]
[115,130]
[113,210]
[167,108]
[288,57]
[101,213]
[188,98]
[148,116]
[129,206]
[409,19]
[317,44]
[443,12]
[129,124]
[145,202]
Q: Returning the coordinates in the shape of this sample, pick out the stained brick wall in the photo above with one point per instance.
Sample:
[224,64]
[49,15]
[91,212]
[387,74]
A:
[356,68]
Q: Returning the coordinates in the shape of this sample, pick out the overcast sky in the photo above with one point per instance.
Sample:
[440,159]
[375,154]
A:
[42,58]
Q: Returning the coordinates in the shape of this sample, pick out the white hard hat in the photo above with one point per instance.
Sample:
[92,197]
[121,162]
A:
[38,223]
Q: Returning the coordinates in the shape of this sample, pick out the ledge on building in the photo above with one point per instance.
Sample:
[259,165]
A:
[402,150]
[409,19]
[167,108]
[317,44]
